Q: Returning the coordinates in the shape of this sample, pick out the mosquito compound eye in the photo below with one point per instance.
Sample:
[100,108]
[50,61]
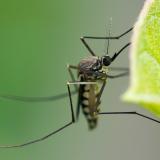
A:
[106,60]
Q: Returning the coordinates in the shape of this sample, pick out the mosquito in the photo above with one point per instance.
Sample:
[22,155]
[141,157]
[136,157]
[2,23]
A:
[92,76]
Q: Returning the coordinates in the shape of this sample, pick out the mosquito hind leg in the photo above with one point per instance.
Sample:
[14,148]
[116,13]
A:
[37,140]
[50,134]
[130,113]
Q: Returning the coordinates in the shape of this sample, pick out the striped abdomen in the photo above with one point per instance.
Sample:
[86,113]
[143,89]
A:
[88,99]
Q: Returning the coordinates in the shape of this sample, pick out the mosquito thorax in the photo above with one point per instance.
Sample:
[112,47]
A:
[90,64]
[106,60]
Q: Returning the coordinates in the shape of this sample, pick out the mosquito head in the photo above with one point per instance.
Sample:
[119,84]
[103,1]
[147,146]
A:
[106,60]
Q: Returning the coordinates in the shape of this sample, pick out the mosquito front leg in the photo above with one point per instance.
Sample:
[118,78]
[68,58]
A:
[87,46]
[110,37]
[120,51]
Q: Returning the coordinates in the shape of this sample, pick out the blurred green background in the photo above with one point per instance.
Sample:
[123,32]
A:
[37,40]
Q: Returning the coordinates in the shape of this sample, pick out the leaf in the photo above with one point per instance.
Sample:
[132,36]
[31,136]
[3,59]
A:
[145,59]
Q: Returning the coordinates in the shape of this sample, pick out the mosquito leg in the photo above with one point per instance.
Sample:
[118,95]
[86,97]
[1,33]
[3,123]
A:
[43,99]
[101,91]
[125,73]
[75,83]
[118,75]
[39,139]
[71,104]
[70,67]
[110,37]
[37,99]
[133,113]
[78,108]
[119,69]
[87,46]
[78,105]
[120,51]
[50,134]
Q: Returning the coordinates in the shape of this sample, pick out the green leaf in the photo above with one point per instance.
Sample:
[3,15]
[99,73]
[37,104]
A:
[145,59]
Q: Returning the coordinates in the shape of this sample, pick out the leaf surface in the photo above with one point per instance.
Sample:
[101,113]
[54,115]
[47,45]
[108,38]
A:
[144,86]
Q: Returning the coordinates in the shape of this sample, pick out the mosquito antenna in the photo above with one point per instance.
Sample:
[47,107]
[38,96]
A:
[109,34]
